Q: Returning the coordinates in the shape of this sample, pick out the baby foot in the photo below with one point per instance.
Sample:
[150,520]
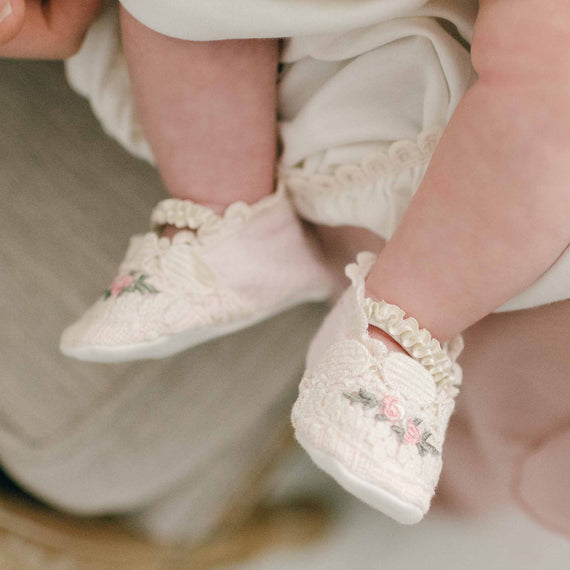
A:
[206,276]
[385,339]
[373,413]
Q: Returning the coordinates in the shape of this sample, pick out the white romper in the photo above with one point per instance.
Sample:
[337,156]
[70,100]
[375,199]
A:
[366,89]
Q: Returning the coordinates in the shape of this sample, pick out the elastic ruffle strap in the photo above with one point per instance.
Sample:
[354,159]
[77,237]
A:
[417,342]
[385,179]
[204,221]
[183,214]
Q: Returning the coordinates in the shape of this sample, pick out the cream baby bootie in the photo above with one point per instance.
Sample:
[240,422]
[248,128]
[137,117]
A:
[220,275]
[375,420]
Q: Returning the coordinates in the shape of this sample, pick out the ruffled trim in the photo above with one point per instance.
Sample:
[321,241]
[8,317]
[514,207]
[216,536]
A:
[416,341]
[204,222]
[155,254]
[337,197]
[400,155]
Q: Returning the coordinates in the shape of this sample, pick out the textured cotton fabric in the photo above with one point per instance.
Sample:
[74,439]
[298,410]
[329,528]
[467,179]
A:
[224,19]
[366,89]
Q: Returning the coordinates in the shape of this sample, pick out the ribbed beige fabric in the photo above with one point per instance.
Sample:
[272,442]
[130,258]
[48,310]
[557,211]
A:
[173,440]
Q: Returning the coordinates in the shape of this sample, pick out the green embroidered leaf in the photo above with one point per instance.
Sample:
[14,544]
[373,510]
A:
[150,288]
[417,421]
[145,287]
[431,448]
[381,418]
[362,397]
[352,396]
[421,449]
[399,432]
[368,399]
[426,435]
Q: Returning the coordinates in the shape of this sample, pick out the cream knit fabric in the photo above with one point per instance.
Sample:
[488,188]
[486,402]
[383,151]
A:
[382,416]
[219,274]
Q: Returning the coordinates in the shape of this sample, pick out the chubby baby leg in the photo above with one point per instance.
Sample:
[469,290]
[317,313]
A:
[225,251]
[491,215]
[493,211]
[208,111]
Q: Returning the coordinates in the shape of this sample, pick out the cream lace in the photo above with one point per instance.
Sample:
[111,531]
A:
[400,155]
[416,341]
[204,221]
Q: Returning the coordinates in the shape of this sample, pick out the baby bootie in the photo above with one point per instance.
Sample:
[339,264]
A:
[218,275]
[375,420]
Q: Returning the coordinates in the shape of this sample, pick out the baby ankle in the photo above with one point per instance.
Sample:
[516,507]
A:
[386,339]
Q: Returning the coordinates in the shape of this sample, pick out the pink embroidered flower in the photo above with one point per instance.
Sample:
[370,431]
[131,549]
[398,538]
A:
[392,409]
[412,434]
[120,283]
[129,283]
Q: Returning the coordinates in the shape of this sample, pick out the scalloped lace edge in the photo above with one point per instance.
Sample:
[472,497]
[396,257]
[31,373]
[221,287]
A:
[416,341]
[203,221]
[399,156]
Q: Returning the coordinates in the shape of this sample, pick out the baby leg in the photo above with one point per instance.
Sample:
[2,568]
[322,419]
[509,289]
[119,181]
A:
[491,215]
[208,111]
[493,211]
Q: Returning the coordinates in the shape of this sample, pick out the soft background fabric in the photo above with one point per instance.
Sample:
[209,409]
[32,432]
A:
[175,441]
